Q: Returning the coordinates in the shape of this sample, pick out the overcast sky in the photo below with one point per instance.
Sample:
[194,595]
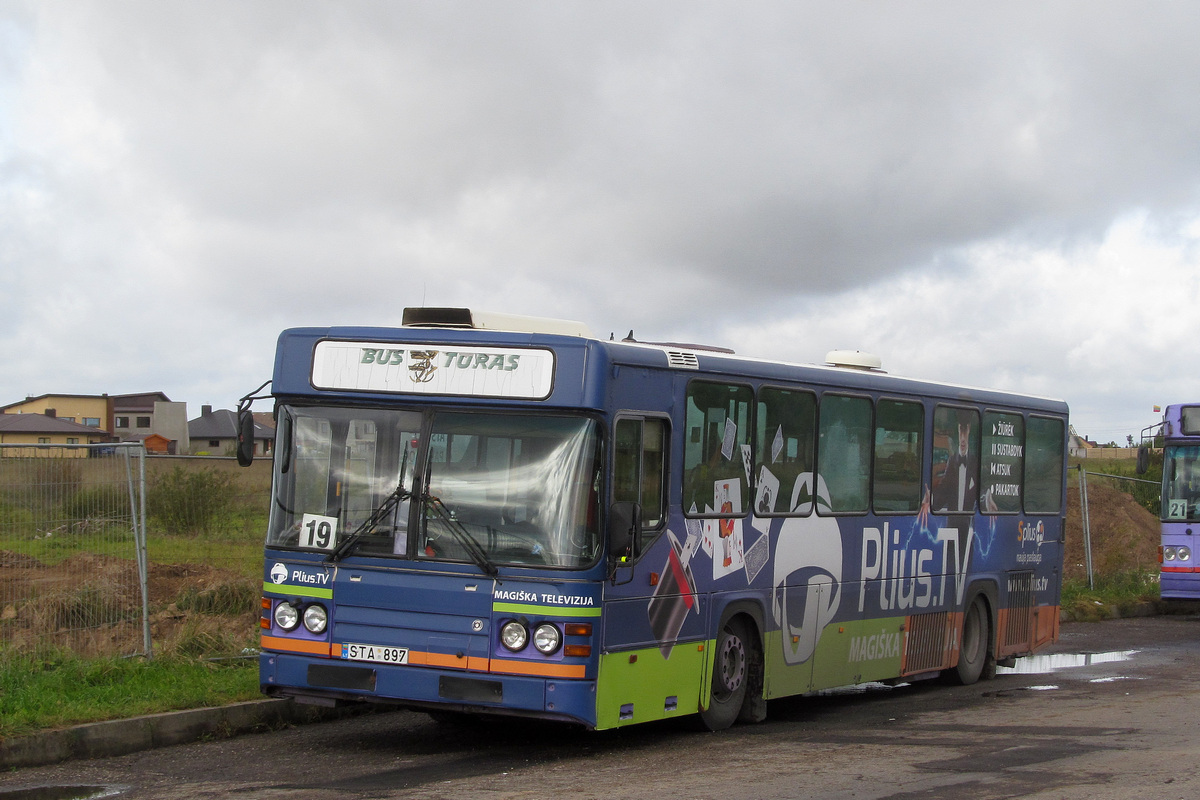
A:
[1003,195]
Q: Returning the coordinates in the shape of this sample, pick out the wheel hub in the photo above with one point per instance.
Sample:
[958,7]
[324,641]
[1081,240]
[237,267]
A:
[732,663]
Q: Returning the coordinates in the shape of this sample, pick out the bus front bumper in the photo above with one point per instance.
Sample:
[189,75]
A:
[326,681]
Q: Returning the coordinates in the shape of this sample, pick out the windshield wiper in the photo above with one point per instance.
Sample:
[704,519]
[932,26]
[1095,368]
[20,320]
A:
[394,498]
[473,548]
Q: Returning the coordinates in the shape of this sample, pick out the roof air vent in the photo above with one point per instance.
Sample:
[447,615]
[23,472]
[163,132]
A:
[681,360]
[854,359]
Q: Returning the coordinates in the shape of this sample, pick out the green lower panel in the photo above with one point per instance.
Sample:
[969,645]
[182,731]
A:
[847,653]
[640,685]
[784,679]
[864,650]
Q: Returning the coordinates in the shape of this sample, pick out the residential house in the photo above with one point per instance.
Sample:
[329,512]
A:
[93,411]
[138,417]
[214,433]
[129,417]
[42,429]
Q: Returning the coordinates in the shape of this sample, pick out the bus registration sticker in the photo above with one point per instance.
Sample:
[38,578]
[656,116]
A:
[376,653]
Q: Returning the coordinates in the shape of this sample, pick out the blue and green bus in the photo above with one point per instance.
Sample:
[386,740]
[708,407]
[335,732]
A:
[496,514]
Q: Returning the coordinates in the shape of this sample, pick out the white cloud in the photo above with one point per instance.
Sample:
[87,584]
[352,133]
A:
[1105,326]
[998,195]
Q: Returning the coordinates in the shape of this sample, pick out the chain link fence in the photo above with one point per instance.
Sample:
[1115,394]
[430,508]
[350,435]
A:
[73,548]
[105,551]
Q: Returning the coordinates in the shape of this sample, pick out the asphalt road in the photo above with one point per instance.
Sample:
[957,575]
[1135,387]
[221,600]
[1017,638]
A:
[1111,714]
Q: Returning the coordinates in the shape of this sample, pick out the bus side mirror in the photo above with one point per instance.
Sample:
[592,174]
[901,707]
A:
[1143,460]
[245,437]
[624,521]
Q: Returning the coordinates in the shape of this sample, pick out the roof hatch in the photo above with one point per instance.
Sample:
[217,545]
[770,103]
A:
[488,320]
[854,359]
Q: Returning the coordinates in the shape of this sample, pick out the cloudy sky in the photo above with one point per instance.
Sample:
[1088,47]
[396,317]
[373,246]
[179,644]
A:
[1004,195]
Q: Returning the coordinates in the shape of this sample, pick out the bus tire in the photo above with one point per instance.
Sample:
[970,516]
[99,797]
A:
[975,648]
[730,676]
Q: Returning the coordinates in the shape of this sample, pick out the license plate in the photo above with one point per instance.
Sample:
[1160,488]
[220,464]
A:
[376,653]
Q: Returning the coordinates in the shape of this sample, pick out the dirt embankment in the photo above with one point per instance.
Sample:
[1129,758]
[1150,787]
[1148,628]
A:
[1124,535]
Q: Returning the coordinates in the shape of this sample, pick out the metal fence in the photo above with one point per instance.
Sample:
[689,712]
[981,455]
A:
[105,550]
[73,563]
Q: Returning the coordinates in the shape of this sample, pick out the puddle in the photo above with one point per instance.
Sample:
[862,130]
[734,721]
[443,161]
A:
[1042,665]
[61,793]
[1029,665]
[841,691]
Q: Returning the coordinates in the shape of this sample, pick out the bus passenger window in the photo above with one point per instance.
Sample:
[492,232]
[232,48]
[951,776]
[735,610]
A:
[844,452]
[716,450]
[1003,457]
[1043,465]
[955,460]
[898,454]
[785,438]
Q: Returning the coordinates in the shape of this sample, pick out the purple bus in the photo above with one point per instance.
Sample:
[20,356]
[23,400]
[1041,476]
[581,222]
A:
[1180,429]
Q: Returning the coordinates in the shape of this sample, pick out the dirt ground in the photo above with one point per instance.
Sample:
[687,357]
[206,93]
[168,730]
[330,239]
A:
[92,605]
[1114,725]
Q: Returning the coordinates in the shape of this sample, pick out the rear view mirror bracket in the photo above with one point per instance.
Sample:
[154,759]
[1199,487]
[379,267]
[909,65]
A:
[245,426]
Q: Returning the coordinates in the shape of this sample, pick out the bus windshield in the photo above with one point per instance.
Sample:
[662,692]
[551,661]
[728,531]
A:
[484,488]
[1181,483]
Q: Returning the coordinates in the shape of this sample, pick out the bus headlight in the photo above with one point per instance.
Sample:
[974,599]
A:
[316,618]
[514,636]
[287,616]
[1168,554]
[1183,553]
[547,639]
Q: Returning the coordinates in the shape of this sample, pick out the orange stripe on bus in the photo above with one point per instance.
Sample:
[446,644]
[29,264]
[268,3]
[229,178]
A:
[296,645]
[440,660]
[446,661]
[533,668]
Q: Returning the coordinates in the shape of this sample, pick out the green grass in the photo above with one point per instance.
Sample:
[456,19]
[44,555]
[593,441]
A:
[44,691]
[244,554]
[1121,592]
[240,548]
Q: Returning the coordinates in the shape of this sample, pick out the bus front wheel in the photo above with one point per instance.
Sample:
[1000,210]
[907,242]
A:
[730,676]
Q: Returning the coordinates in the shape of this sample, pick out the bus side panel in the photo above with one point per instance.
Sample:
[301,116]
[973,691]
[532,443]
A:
[653,644]
[640,685]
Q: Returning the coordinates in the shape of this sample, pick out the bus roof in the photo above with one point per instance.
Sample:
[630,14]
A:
[1181,420]
[573,357]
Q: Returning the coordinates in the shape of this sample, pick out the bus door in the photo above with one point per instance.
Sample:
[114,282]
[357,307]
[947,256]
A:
[655,615]
[803,551]
[1040,531]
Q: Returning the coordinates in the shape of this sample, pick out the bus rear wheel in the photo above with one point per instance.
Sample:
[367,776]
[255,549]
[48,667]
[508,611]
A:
[730,676]
[974,651]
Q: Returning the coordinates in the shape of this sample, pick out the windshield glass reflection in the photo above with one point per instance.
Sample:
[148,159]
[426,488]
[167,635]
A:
[485,488]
